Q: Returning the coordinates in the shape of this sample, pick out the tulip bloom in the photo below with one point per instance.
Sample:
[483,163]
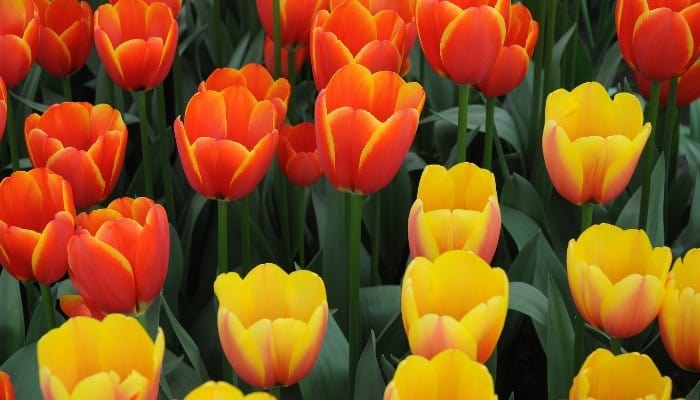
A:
[626,376]
[83,143]
[3,107]
[276,341]
[137,55]
[658,38]
[118,258]
[617,278]
[174,5]
[591,144]
[688,86]
[19,38]
[679,317]
[66,35]
[298,154]
[457,301]
[365,125]
[351,33]
[37,218]
[449,375]
[450,30]
[7,390]
[223,390]
[455,209]
[300,56]
[295,19]
[111,359]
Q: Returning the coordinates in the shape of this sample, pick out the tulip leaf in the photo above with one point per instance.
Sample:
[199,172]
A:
[526,299]
[694,118]
[557,54]
[369,383]
[179,379]
[188,345]
[378,305]
[388,369]
[23,370]
[329,377]
[692,230]
[519,225]
[629,216]
[174,277]
[392,339]
[12,321]
[610,66]
[694,393]
[560,344]
[519,194]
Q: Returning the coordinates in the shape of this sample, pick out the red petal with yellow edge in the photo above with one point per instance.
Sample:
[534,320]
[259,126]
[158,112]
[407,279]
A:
[81,172]
[507,72]
[95,219]
[430,31]
[14,16]
[108,154]
[632,305]
[205,116]
[353,86]
[121,234]
[132,19]
[190,164]
[39,146]
[303,169]
[139,60]
[50,260]
[380,55]
[218,161]
[249,122]
[328,55]
[68,122]
[627,12]
[16,249]
[152,255]
[254,167]
[108,56]
[259,82]
[221,78]
[324,136]
[53,55]
[562,162]
[74,305]
[352,24]
[14,69]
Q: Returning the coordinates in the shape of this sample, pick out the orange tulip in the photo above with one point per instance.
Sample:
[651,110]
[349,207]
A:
[7,390]
[462,39]
[65,40]
[19,38]
[688,86]
[365,124]
[137,55]
[658,38]
[3,107]
[351,33]
[269,57]
[295,19]
[118,258]
[83,143]
[298,154]
[174,5]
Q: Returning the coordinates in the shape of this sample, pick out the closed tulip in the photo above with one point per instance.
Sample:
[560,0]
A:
[591,143]
[174,5]
[658,38]
[83,143]
[3,107]
[37,218]
[679,317]
[298,154]
[604,376]
[617,278]
[365,125]
[449,375]
[455,209]
[688,89]
[118,258]
[295,19]
[87,359]
[19,38]
[65,40]
[136,55]
[276,341]
[7,390]
[457,301]
[224,391]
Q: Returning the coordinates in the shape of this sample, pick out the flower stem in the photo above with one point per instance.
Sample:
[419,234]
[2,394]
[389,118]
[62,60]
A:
[376,235]
[354,204]
[277,37]
[291,77]
[245,233]
[12,137]
[649,152]
[67,92]
[670,131]
[488,139]
[301,224]
[462,118]
[145,143]
[165,154]
[47,301]
[500,156]
[222,235]
[284,217]
[615,346]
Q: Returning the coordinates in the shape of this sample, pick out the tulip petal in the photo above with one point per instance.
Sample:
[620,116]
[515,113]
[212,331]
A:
[563,164]
[432,334]
[632,305]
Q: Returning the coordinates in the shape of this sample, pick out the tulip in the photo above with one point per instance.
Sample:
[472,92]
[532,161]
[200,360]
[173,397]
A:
[276,341]
[591,144]
[111,359]
[455,209]
[118,258]
[617,278]
[75,305]
[3,107]
[658,38]
[457,301]
[351,33]
[295,19]
[36,221]
[83,143]
[223,390]
[298,154]
[626,376]
[300,56]
[7,391]
[19,38]
[136,55]
[679,317]
[66,35]
[688,86]
[365,125]
[449,375]
[174,5]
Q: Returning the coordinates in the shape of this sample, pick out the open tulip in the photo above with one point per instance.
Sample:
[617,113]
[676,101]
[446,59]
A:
[174,5]
[617,278]
[276,341]
[449,375]
[118,258]
[19,39]
[457,301]
[658,38]
[295,19]
[87,359]
[626,376]
[136,55]
[37,218]
[224,391]
[83,143]
[591,143]
[365,125]
[688,89]
[455,209]
[298,154]
[3,107]
[7,390]
[65,40]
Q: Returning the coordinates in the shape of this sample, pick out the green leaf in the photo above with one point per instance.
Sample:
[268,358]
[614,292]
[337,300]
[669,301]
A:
[188,345]
[691,234]
[24,372]
[173,280]
[557,53]
[378,305]
[560,344]
[610,66]
[519,194]
[526,299]
[329,377]
[12,321]
[519,225]
[628,218]
[369,383]
[392,339]
[694,393]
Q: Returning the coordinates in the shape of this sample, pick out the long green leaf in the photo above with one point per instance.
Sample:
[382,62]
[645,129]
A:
[12,320]
[329,377]
[369,383]
[188,345]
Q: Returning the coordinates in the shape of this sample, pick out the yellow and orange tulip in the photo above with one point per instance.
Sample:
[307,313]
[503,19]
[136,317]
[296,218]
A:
[119,255]
[37,218]
[86,359]
[457,301]
[276,341]
[223,391]
[65,40]
[688,89]
[592,143]
[298,154]
[7,390]
[455,209]
[296,17]
[19,39]
[365,125]
[83,143]
[617,278]
[604,376]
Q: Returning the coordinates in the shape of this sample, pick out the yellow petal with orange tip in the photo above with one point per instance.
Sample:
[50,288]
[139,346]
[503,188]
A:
[633,302]
[221,390]
[432,333]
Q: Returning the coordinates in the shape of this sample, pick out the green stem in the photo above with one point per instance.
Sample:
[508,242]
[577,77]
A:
[245,233]
[586,215]
[301,224]
[165,154]
[579,323]
[575,16]
[376,236]
[354,202]
[277,37]
[284,217]
[615,346]
[670,133]
[12,136]
[551,22]
[47,301]
[145,143]
[67,92]
[218,52]
[275,391]
[535,118]
[488,139]
[118,95]
[649,152]
[222,235]
[462,118]
[141,317]
[502,165]
[291,75]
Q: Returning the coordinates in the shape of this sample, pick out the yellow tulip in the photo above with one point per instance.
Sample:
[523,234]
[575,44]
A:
[457,301]
[591,143]
[223,391]
[449,375]
[110,359]
[604,376]
[271,324]
[617,278]
[455,209]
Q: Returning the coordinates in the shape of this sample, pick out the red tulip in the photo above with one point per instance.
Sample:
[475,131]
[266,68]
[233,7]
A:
[298,154]
[688,86]
[174,5]
[269,57]
[3,107]
[7,390]
[65,40]
[19,38]
[295,19]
